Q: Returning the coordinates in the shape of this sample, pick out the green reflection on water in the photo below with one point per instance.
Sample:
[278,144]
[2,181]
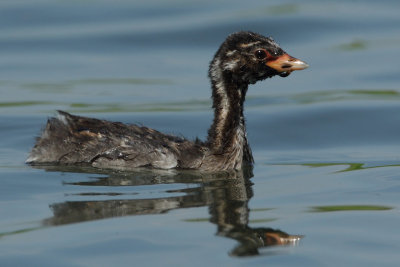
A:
[283,9]
[197,220]
[20,231]
[349,166]
[349,208]
[48,87]
[123,81]
[362,44]
[353,45]
[24,103]
[261,209]
[66,85]
[354,94]
[375,92]
[190,105]
[266,220]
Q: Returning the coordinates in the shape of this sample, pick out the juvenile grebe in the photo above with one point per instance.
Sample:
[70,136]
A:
[243,58]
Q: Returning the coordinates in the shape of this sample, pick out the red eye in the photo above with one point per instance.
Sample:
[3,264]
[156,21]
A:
[261,54]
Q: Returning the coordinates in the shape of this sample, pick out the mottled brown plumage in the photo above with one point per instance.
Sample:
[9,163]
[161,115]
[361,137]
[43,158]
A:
[244,58]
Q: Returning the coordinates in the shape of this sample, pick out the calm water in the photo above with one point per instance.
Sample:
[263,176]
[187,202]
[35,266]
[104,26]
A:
[326,140]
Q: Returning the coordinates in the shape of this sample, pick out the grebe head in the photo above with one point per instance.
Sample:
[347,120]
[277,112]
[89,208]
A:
[247,57]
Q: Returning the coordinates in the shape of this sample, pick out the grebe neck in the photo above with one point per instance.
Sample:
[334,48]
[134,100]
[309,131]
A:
[228,131]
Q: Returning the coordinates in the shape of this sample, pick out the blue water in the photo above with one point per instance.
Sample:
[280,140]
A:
[325,140]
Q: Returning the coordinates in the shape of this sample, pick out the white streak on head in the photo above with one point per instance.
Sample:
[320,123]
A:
[250,44]
[231,53]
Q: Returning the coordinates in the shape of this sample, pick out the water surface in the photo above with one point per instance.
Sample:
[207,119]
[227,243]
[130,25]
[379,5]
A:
[325,187]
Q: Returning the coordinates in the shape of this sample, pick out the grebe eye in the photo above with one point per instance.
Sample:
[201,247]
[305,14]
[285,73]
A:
[260,54]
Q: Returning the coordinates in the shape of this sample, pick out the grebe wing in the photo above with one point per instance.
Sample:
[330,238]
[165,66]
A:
[70,139]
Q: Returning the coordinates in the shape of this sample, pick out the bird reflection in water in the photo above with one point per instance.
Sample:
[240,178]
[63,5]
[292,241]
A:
[226,194]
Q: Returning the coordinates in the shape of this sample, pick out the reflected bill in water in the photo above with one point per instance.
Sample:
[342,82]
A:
[226,194]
